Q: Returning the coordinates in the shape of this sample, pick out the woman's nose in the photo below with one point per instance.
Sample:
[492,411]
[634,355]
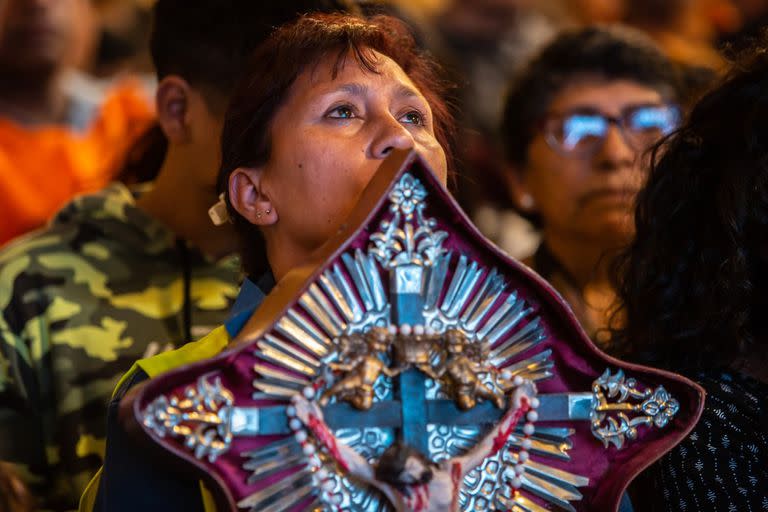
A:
[390,134]
[615,151]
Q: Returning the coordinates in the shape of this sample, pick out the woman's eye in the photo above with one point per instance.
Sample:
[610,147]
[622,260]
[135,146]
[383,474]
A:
[342,112]
[413,117]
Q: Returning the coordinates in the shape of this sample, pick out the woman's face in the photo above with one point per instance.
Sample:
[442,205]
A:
[587,197]
[329,138]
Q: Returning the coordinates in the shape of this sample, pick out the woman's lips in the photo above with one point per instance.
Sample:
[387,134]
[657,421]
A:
[610,195]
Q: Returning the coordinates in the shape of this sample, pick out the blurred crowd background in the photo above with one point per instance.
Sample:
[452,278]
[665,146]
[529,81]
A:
[77,100]
[482,43]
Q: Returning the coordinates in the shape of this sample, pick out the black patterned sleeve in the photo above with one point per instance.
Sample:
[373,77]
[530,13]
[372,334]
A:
[723,464]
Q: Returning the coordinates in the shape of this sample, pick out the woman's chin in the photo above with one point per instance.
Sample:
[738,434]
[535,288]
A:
[615,235]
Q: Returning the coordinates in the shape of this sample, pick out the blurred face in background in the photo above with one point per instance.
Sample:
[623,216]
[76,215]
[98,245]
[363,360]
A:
[598,11]
[481,21]
[585,164]
[40,35]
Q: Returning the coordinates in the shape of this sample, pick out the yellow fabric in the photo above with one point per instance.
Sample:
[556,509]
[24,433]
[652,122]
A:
[205,347]
[208,503]
[208,346]
[41,169]
[88,498]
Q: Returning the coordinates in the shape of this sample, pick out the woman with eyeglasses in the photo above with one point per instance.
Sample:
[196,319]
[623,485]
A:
[576,124]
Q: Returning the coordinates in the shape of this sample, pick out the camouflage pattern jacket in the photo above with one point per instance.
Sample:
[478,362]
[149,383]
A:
[81,300]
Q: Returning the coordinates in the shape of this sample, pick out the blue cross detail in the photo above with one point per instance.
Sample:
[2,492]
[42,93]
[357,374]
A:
[413,412]
[405,284]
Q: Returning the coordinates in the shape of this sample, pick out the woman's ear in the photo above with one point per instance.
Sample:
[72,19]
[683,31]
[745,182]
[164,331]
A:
[518,188]
[248,198]
[172,104]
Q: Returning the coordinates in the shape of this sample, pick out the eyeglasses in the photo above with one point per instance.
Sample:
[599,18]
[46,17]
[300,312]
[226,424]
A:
[582,132]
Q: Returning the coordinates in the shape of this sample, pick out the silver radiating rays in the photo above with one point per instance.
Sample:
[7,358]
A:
[352,296]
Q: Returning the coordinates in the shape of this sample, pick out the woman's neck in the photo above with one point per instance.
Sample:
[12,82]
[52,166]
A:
[283,255]
[584,268]
[586,263]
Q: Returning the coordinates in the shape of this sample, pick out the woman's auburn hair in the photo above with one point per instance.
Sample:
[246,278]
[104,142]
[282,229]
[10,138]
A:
[275,66]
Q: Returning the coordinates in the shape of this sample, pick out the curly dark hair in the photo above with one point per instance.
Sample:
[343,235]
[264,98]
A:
[693,283]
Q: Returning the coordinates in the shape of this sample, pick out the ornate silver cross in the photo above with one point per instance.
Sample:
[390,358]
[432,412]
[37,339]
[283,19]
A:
[430,284]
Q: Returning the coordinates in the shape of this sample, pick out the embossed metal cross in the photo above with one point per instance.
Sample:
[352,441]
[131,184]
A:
[430,283]
[413,411]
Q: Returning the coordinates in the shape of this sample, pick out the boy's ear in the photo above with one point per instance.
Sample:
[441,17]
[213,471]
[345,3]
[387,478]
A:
[172,105]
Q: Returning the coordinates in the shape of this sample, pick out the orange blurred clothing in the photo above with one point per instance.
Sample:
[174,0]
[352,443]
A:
[42,168]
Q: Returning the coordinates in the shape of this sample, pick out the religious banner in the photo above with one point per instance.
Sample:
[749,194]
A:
[414,366]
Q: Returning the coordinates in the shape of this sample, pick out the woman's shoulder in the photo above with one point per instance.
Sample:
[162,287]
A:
[721,464]
[734,396]
[735,416]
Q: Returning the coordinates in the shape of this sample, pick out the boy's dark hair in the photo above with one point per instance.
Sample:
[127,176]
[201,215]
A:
[208,44]
[276,65]
[392,463]
[604,53]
